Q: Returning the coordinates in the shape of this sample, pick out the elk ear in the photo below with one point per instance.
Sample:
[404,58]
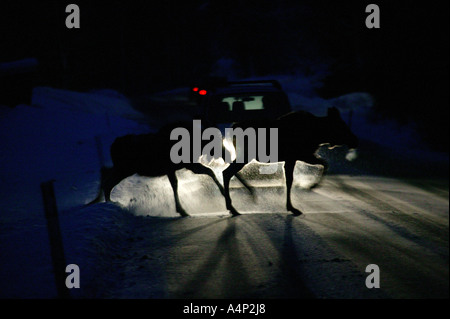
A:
[334,112]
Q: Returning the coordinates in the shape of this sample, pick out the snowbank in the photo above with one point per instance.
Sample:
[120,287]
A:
[19,66]
[101,102]
[63,137]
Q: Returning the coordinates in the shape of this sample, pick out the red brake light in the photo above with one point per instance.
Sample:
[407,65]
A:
[202,92]
[195,89]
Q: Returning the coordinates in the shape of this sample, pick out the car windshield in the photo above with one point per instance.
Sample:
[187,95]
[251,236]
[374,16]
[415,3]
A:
[244,106]
[254,102]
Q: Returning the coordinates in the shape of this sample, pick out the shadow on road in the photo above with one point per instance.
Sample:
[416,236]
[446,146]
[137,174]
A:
[428,225]
[234,258]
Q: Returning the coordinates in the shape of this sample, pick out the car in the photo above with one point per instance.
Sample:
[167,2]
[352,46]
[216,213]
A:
[237,101]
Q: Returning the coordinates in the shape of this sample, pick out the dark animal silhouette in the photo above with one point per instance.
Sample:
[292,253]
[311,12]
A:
[149,155]
[299,136]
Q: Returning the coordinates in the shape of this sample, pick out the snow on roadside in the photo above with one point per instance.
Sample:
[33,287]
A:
[57,141]
[54,139]
[103,102]
[357,110]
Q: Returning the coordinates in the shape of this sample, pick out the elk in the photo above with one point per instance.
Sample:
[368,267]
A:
[149,155]
[300,134]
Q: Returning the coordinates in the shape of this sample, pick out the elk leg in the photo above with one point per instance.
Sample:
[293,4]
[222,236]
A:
[202,169]
[112,177]
[289,176]
[228,173]
[243,182]
[109,177]
[174,182]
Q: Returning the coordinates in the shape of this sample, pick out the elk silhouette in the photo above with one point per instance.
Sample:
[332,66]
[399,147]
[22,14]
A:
[300,134]
[149,155]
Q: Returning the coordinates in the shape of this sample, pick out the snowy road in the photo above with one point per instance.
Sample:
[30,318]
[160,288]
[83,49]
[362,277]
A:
[348,223]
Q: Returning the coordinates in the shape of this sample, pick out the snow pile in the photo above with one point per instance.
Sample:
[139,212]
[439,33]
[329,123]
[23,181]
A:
[40,144]
[103,102]
[64,138]
[19,66]
[146,196]
[356,110]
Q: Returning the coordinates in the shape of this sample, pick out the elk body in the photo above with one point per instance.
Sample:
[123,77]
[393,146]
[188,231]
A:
[147,155]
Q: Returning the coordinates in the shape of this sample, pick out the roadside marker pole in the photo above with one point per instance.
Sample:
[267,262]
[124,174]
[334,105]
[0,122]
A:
[55,238]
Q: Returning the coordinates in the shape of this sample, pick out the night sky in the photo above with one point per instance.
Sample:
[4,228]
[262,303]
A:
[140,47]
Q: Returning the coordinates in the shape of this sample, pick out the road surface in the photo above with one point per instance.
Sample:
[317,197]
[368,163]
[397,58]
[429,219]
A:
[349,222]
